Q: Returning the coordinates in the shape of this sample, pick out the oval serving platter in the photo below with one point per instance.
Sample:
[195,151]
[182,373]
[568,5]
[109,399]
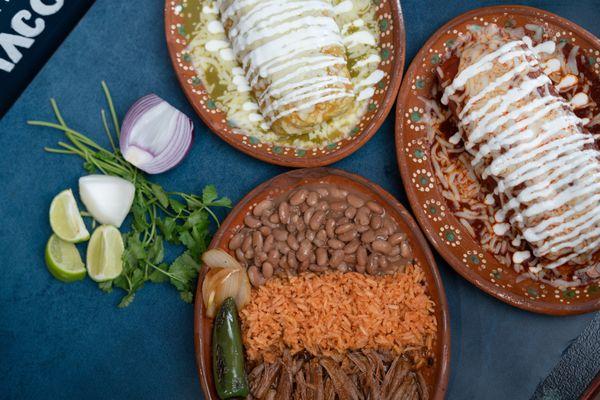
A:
[442,228]
[436,376]
[179,25]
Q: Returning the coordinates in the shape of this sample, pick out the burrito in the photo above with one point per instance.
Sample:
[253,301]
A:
[526,144]
[294,59]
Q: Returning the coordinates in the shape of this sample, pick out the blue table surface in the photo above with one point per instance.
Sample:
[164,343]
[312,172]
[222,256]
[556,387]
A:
[61,341]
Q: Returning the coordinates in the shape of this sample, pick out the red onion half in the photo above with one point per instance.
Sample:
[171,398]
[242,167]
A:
[155,136]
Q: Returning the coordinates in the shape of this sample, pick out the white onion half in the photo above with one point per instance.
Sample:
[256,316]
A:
[107,198]
[155,136]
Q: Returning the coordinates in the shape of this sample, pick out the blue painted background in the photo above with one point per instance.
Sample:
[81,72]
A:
[62,341]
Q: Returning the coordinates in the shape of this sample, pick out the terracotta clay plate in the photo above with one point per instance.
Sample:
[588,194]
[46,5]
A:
[436,375]
[181,17]
[436,218]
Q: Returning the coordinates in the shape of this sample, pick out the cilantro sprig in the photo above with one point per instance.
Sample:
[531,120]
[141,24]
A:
[157,216]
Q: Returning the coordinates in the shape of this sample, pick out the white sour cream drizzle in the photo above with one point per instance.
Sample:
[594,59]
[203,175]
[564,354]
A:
[283,41]
[542,158]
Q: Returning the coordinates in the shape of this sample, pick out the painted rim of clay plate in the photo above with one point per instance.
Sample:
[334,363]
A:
[281,155]
[283,184]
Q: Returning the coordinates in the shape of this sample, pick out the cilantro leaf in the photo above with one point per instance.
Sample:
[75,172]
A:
[184,271]
[126,300]
[160,194]
[209,194]
[159,274]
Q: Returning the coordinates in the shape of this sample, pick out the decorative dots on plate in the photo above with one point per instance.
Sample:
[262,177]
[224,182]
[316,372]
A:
[414,118]
[416,151]
[474,259]
[450,235]
[434,209]
[418,83]
[423,180]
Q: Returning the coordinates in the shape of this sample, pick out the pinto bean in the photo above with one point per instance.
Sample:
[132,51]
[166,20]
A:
[389,225]
[284,212]
[273,256]
[337,193]
[298,197]
[405,250]
[344,228]
[372,264]
[303,266]
[355,201]
[267,270]
[261,207]
[236,241]
[362,216]
[274,218]
[256,278]
[308,215]
[247,243]
[268,244]
[338,206]
[320,237]
[303,252]
[350,212]
[336,258]
[317,220]
[280,235]
[395,251]
[342,221]
[260,258]
[361,256]
[265,230]
[322,256]
[312,198]
[239,254]
[362,228]
[292,260]
[330,228]
[301,226]
[293,242]
[351,247]
[360,268]
[368,236]
[335,244]
[375,207]
[348,236]
[257,241]
[382,262]
[323,192]
[350,259]
[381,233]
[397,238]
[283,247]
[322,205]
[249,254]
[317,268]
[252,222]
[376,222]
[381,246]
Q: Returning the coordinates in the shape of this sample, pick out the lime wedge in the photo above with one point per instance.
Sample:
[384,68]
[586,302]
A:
[65,220]
[63,260]
[104,254]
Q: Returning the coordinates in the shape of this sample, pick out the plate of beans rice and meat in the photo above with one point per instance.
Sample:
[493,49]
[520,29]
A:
[498,143]
[319,285]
